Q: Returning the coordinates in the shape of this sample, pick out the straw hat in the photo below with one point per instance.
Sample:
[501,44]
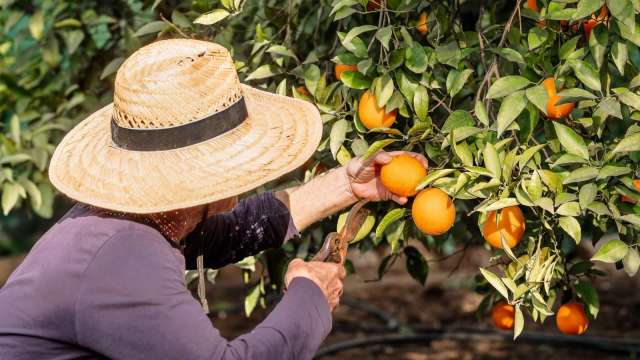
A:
[182,131]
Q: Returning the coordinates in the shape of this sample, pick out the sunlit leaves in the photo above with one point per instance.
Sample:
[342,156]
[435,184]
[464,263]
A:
[507,85]
[611,252]
[571,141]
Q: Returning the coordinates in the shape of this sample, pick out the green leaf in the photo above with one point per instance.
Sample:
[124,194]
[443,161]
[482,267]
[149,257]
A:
[416,59]
[610,170]
[263,72]
[510,108]
[421,102]
[631,218]
[620,55]
[457,119]
[628,97]
[581,174]
[416,264]
[631,262]
[586,73]
[433,176]
[511,55]
[456,80]
[497,205]
[571,208]
[377,146]
[357,31]
[611,252]
[36,24]
[10,195]
[628,144]
[251,300]
[481,113]
[586,8]
[32,191]
[537,95]
[337,136]
[587,195]
[524,158]
[518,322]
[589,296]
[364,230]
[507,85]
[568,47]
[152,28]
[384,35]
[211,17]
[536,37]
[572,227]
[622,10]
[355,80]
[383,90]
[495,281]
[389,218]
[111,67]
[491,160]
[574,95]
[571,141]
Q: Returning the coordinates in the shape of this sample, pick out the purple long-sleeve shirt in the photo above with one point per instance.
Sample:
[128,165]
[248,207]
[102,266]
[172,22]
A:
[97,287]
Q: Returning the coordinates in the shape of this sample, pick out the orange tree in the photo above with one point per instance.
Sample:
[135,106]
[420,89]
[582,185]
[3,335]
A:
[527,111]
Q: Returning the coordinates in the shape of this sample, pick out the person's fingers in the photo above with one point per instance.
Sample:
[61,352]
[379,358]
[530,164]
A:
[401,200]
[382,157]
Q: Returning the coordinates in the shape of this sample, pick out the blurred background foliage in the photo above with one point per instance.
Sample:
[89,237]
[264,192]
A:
[467,88]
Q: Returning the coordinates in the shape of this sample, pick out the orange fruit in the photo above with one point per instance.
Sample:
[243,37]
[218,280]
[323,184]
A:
[402,174]
[422,24]
[627,199]
[433,211]
[571,319]
[510,224]
[303,90]
[373,116]
[503,315]
[340,68]
[374,5]
[588,26]
[533,5]
[555,112]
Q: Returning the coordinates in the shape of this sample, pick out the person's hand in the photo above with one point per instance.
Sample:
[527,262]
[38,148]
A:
[328,277]
[365,178]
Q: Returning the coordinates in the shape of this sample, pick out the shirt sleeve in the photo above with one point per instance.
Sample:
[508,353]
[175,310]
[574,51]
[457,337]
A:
[257,223]
[133,304]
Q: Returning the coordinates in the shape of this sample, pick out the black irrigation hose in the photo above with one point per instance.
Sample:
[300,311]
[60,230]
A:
[425,335]
[390,322]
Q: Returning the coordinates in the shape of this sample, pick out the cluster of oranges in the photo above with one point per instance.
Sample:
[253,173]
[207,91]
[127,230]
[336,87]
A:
[433,210]
[570,319]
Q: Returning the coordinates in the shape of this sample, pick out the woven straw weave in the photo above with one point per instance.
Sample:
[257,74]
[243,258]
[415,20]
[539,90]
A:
[169,83]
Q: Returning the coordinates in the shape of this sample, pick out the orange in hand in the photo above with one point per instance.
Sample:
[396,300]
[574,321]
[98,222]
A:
[433,211]
[422,24]
[373,116]
[503,315]
[571,319]
[555,112]
[510,224]
[402,174]
[340,68]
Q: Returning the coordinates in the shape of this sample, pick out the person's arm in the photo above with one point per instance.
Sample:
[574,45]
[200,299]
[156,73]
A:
[333,191]
[256,223]
[133,304]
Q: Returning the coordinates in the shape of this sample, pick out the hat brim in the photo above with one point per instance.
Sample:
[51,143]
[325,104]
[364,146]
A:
[279,135]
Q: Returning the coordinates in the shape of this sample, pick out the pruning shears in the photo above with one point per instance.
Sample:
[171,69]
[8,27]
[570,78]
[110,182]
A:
[334,248]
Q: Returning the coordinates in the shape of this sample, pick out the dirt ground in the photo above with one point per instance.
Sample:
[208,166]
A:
[446,303]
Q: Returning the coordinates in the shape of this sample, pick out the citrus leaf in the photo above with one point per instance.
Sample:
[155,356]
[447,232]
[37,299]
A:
[457,119]
[628,144]
[518,322]
[337,136]
[152,28]
[586,8]
[571,141]
[587,195]
[355,80]
[433,176]
[507,85]
[495,281]
[251,300]
[610,170]
[586,74]
[581,174]
[572,227]
[498,204]
[491,160]
[510,108]
[377,146]
[389,218]
[589,296]
[263,72]
[416,264]
[631,262]
[611,252]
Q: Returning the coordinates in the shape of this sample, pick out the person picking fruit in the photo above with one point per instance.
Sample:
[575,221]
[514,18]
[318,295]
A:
[156,176]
